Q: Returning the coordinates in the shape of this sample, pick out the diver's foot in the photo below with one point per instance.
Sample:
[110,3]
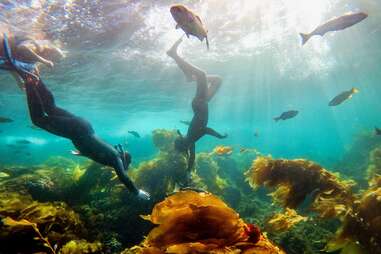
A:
[172,52]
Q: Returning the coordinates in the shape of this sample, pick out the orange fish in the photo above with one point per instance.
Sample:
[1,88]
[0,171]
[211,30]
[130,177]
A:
[223,150]
[189,22]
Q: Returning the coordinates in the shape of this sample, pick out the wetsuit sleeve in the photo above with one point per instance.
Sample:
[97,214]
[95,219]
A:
[192,156]
[214,133]
[123,177]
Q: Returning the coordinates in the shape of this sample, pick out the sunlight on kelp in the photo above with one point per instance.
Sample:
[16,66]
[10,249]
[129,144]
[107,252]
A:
[281,222]
[190,222]
[296,180]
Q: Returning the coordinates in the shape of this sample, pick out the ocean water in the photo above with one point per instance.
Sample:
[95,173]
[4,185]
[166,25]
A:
[116,74]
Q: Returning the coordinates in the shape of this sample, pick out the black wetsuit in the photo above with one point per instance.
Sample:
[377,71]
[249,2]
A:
[45,114]
[198,127]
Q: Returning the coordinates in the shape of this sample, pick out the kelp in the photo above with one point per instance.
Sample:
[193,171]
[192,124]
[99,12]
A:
[190,222]
[14,226]
[164,139]
[282,222]
[374,166]
[361,227]
[81,247]
[207,174]
[296,181]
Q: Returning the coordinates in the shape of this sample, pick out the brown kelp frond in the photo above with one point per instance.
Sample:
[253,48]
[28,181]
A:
[20,225]
[362,225]
[281,222]
[191,222]
[299,180]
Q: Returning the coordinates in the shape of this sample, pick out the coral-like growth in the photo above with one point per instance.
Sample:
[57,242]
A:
[190,222]
[297,181]
[281,222]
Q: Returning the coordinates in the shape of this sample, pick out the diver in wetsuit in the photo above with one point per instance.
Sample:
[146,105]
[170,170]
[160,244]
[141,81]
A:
[45,114]
[198,127]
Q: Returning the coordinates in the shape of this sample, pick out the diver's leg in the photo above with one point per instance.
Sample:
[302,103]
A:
[64,125]
[211,132]
[215,83]
[48,102]
[192,73]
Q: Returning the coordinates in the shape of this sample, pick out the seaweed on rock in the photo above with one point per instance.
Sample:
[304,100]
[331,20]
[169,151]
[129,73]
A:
[190,222]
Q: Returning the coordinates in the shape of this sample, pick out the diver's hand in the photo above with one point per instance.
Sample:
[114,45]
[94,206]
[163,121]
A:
[143,195]
[50,64]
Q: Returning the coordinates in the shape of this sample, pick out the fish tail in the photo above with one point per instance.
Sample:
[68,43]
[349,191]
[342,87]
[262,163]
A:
[276,119]
[207,42]
[305,37]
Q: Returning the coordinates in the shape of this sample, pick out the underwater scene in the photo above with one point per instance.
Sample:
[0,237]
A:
[190,126]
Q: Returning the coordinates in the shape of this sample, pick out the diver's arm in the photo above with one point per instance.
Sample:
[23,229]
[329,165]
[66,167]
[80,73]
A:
[123,177]
[24,49]
[192,156]
[211,132]
[121,171]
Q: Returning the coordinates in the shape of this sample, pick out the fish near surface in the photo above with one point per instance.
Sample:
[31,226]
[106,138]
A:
[5,120]
[287,115]
[134,133]
[189,22]
[346,95]
[335,24]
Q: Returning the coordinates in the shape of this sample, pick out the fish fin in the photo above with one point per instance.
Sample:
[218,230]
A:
[177,26]
[276,119]
[76,153]
[187,35]
[305,38]
[207,42]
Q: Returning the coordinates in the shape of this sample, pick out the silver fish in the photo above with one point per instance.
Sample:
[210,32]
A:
[335,24]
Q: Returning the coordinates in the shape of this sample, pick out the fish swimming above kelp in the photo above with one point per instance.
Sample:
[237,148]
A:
[189,22]
[287,115]
[346,95]
[5,120]
[134,133]
[377,131]
[335,24]
[23,142]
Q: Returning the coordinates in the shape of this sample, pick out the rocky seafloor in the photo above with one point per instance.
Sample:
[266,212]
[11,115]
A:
[295,206]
